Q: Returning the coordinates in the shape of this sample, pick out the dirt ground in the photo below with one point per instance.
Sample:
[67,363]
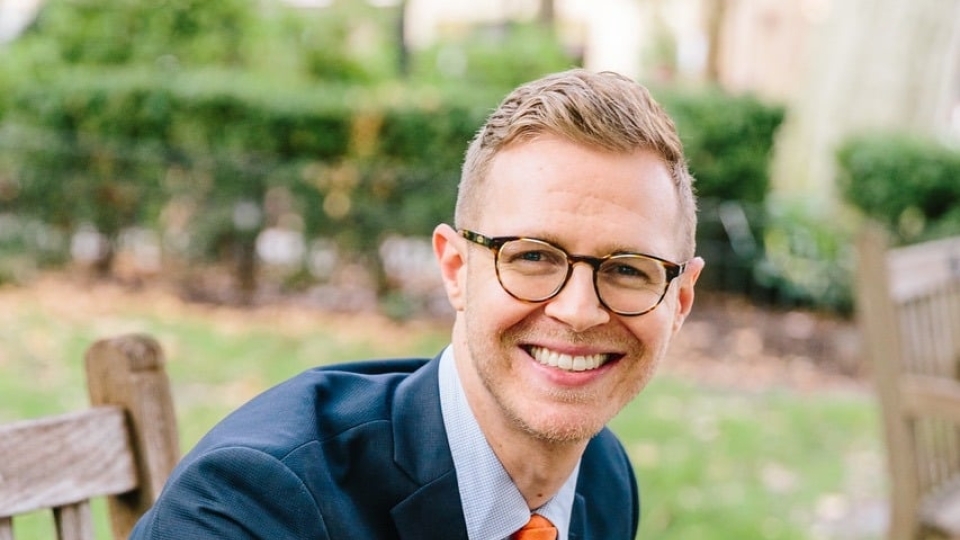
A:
[727,341]
[730,342]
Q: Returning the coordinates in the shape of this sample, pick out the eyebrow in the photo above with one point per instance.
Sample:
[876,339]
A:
[617,250]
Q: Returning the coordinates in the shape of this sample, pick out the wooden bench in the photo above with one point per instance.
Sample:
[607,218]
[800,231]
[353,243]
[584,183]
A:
[908,304]
[123,447]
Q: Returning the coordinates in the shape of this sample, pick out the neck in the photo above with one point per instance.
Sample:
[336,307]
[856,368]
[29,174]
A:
[538,466]
[539,469]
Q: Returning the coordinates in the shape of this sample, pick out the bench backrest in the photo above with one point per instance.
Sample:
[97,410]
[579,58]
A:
[123,447]
[908,304]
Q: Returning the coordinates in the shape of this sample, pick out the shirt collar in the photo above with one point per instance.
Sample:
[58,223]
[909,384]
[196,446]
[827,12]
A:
[493,507]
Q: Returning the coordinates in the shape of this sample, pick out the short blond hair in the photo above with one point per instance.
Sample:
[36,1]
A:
[602,110]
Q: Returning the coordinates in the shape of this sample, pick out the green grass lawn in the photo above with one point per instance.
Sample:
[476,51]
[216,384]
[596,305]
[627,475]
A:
[713,463]
[720,464]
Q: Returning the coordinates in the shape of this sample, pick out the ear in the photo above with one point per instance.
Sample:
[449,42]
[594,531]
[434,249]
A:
[688,281]
[448,248]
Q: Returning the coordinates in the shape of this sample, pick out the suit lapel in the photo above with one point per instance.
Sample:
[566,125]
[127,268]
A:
[421,450]
[578,519]
[433,511]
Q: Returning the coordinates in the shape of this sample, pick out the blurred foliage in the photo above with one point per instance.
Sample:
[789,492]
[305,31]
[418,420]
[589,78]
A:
[184,32]
[728,140]
[781,255]
[348,41]
[910,184]
[212,122]
[127,109]
[198,152]
[808,258]
[345,41]
[502,55]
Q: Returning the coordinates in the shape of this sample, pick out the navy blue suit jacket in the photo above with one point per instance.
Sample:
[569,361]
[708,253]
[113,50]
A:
[356,451]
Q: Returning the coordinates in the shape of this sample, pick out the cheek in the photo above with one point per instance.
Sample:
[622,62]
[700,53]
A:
[653,332]
[652,327]
[490,305]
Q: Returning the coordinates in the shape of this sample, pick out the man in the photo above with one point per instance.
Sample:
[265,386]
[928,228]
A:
[570,269]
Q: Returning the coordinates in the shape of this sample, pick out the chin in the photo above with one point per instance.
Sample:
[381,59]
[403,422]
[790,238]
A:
[564,427]
[566,434]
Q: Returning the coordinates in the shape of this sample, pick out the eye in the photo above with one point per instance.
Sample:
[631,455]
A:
[625,274]
[632,272]
[628,271]
[534,256]
[528,256]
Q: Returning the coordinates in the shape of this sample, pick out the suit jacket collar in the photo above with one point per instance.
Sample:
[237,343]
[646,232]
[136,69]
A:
[421,450]
[423,453]
[578,519]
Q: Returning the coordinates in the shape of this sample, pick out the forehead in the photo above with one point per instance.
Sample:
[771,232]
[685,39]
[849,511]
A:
[585,200]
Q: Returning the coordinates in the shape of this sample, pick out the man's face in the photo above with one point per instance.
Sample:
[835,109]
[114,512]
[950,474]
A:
[509,353]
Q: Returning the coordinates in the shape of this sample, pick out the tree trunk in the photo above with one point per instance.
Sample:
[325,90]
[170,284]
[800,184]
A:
[875,65]
[714,12]
[245,266]
[547,13]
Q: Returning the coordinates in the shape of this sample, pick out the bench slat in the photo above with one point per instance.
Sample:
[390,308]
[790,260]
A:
[65,459]
[925,396]
[908,303]
[942,512]
[74,522]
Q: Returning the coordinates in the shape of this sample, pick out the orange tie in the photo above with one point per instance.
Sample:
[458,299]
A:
[538,528]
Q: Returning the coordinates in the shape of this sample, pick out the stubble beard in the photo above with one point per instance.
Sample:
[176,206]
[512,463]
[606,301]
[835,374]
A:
[583,412]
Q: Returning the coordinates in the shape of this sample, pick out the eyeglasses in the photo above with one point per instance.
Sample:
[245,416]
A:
[533,270]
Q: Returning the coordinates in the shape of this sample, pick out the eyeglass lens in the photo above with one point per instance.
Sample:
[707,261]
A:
[533,270]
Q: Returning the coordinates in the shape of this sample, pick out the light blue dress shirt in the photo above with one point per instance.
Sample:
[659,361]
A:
[493,507]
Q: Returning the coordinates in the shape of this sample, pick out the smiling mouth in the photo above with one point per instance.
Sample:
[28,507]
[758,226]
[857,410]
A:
[567,362]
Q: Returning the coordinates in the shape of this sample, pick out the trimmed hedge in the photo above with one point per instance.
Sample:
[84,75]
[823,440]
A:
[189,149]
[120,130]
[118,148]
[212,121]
[184,32]
[499,55]
[909,183]
[728,141]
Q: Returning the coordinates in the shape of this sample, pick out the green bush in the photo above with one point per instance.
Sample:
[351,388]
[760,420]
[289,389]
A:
[781,255]
[123,147]
[910,184]
[395,161]
[401,174]
[68,157]
[185,32]
[6,75]
[808,258]
[346,41]
[500,56]
[125,112]
[728,140]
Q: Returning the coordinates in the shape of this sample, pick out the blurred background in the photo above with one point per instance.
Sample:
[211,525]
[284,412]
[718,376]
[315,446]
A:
[191,168]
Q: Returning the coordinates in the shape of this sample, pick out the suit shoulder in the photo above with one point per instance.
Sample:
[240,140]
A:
[377,367]
[314,405]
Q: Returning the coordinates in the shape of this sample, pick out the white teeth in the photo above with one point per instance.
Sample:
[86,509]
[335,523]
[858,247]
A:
[565,361]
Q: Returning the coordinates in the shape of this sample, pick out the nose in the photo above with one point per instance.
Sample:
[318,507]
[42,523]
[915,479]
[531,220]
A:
[577,304]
